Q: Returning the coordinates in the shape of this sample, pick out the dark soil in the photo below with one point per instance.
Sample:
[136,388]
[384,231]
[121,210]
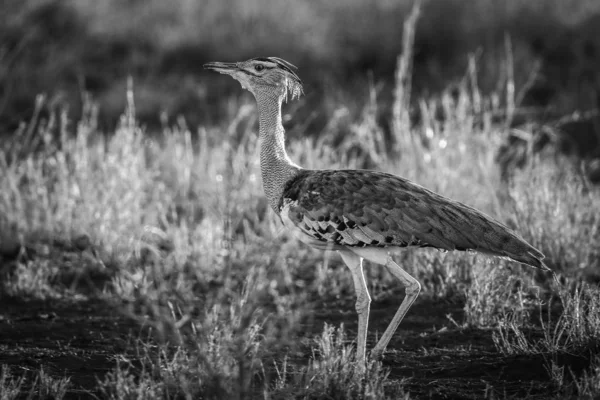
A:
[438,360]
[76,339]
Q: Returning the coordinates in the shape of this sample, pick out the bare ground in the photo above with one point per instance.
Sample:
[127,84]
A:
[83,339]
[80,339]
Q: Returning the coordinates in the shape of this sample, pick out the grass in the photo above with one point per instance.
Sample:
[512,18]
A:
[172,235]
[42,385]
[333,373]
[576,330]
[568,344]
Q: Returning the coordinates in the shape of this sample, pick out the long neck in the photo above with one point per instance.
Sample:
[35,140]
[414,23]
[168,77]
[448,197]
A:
[276,167]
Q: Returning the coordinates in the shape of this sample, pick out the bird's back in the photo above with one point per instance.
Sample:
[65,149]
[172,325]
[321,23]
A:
[357,208]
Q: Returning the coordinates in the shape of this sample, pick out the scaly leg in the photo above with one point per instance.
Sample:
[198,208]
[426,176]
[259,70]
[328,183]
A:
[412,289]
[363,300]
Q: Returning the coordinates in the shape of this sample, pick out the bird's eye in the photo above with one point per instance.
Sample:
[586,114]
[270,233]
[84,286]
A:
[259,67]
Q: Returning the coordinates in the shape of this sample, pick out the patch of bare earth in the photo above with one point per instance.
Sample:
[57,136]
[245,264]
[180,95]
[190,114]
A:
[79,339]
[439,360]
[84,339]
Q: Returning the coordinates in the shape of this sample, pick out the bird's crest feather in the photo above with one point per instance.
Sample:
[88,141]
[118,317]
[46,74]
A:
[295,85]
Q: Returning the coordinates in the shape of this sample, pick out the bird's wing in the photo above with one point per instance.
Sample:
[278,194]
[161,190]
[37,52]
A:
[367,208]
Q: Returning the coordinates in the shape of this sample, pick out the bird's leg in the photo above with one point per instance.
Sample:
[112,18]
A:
[363,300]
[412,289]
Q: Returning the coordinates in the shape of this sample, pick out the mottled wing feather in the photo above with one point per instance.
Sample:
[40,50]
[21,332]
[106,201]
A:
[368,208]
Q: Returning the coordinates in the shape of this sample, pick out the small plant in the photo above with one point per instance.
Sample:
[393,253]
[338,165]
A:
[588,384]
[333,373]
[10,387]
[123,383]
[43,386]
[576,330]
[47,387]
[498,295]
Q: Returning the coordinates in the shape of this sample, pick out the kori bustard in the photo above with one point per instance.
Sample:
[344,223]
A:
[361,214]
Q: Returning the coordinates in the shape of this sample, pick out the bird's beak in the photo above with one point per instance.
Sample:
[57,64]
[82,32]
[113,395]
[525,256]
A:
[222,67]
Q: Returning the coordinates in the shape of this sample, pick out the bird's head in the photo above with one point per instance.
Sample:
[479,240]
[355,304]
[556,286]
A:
[270,76]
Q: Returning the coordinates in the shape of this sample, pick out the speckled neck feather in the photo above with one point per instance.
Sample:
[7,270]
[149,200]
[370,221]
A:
[276,167]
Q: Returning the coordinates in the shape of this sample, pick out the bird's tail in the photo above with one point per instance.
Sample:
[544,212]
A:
[531,257]
[517,249]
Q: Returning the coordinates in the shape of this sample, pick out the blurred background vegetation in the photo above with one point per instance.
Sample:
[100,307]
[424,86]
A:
[73,49]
